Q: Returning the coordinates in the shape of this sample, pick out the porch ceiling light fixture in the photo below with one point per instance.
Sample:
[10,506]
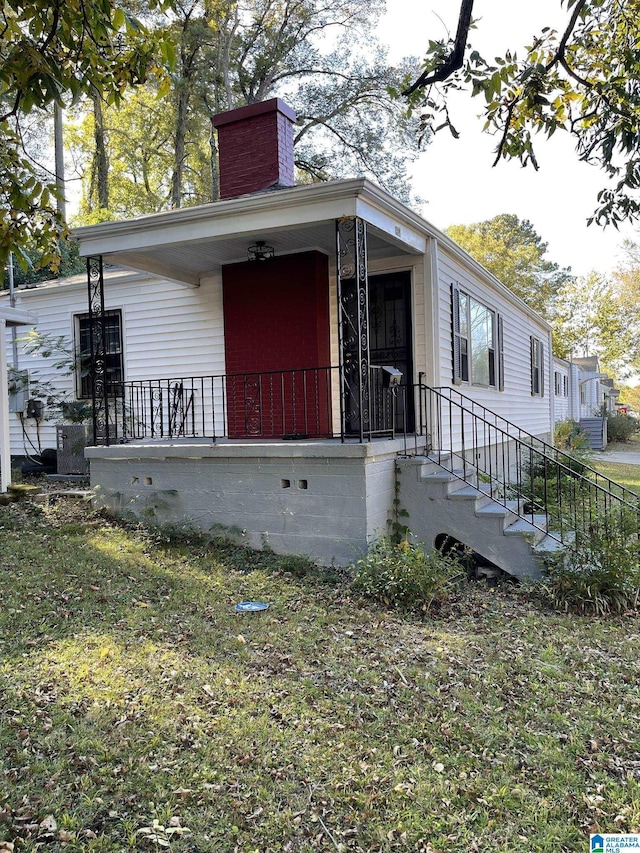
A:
[260,251]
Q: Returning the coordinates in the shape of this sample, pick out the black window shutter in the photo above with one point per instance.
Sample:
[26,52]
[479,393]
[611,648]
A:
[500,354]
[455,334]
[532,355]
[541,366]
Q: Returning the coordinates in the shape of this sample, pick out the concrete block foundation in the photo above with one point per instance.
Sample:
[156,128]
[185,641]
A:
[320,498]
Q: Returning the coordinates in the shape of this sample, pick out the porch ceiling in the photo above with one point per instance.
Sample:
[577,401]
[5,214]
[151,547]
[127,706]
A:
[189,262]
[187,245]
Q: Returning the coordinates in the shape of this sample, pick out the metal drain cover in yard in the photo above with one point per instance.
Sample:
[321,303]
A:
[251,606]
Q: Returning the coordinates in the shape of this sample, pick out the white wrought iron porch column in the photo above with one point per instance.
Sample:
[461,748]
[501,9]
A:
[98,355]
[353,327]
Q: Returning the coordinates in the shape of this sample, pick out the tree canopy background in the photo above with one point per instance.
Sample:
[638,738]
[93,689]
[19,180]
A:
[143,80]
[513,251]
[581,79]
[589,315]
[57,51]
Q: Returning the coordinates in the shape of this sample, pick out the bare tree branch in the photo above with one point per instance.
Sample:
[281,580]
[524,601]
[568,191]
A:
[455,59]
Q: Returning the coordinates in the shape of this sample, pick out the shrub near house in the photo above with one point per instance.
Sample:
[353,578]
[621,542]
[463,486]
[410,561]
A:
[621,427]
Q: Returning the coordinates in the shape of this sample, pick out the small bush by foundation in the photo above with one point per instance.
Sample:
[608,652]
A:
[570,437]
[599,574]
[405,576]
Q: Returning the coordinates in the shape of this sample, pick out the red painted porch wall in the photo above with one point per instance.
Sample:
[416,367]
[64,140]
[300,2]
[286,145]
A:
[276,318]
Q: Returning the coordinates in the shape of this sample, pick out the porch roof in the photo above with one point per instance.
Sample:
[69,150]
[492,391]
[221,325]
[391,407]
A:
[15,317]
[188,244]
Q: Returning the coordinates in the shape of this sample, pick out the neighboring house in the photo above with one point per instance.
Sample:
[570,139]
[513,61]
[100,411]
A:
[609,394]
[237,366]
[591,396]
[584,394]
[565,390]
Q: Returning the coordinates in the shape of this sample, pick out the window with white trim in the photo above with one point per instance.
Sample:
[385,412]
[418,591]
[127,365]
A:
[113,352]
[537,367]
[477,342]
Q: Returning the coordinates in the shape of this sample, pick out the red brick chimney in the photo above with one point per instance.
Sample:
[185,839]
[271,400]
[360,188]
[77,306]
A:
[255,148]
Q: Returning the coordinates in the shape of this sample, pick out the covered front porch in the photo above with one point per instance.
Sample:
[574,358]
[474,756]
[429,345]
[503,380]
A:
[320,340]
[290,439]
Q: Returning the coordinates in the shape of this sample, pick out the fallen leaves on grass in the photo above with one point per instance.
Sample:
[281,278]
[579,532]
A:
[327,725]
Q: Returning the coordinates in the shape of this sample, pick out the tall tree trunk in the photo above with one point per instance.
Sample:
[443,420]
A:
[58,143]
[215,169]
[101,159]
[182,109]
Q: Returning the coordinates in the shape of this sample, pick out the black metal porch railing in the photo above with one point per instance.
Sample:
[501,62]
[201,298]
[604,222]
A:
[286,404]
[552,490]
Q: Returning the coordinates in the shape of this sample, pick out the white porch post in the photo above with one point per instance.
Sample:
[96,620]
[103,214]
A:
[8,317]
[5,444]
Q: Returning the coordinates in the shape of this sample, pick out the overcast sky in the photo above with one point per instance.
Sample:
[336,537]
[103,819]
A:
[456,176]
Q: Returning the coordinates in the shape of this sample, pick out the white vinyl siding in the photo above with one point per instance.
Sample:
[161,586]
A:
[562,403]
[515,403]
[172,331]
[168,331]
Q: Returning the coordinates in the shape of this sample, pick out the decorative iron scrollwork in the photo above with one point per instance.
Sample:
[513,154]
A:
[155,402]
[353,325]
[252,406]
[98,358]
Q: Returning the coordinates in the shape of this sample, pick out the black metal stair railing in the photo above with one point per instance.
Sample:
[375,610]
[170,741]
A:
[555,492]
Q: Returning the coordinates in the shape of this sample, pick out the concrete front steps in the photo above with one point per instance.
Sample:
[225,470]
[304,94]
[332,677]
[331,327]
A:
[440,502]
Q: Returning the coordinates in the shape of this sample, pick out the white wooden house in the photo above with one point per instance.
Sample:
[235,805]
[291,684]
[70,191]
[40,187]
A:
[584,394]
[236,352]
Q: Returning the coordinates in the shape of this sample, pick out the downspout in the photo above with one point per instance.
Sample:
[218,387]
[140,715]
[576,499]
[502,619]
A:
[572,389]
[552,391]
[432,312]
[12,303]
[5,447]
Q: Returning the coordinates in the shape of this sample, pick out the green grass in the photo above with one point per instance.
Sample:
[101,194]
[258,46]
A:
[626,475]
[136,705]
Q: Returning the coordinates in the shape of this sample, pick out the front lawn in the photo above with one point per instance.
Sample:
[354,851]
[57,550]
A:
[139,711]
[632,444]
[619,472]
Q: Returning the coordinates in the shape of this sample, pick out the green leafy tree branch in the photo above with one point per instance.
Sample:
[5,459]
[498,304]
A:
[582,80]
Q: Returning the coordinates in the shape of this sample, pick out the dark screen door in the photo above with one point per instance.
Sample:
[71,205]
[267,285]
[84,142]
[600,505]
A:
[390,337]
